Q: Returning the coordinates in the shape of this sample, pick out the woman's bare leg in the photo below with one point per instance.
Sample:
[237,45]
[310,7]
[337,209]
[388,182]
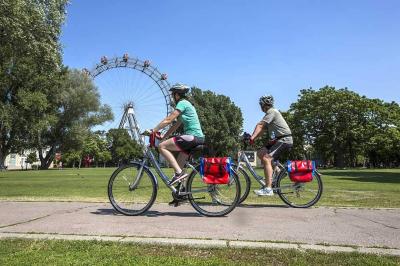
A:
[165,149]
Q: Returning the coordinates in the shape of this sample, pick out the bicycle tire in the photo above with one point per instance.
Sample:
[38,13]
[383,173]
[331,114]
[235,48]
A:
[150,186]
[196,180]
[245,183]
[285,177]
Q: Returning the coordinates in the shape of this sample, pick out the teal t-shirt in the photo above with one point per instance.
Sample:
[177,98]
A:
[189,118]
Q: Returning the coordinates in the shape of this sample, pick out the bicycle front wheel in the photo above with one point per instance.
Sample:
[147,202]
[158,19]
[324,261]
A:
[245,182]
[213,199]
[132,189]
[299,195]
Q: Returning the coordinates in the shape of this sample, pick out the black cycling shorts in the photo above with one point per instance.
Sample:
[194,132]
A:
[186,143]
[276,150]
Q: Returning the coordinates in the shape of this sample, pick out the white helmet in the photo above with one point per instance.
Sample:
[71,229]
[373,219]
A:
[267,100]
[179,88]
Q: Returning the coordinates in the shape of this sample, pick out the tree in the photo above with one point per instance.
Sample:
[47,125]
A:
[72,157]
[122,147]
[76,110]
[383,147]
[221,121]
[104,157]
[29,68]
[32,158]
[341,126]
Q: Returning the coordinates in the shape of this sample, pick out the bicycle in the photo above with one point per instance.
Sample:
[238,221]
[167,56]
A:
[294,194]
[132,188]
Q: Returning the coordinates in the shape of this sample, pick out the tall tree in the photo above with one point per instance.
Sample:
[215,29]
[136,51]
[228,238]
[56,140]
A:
[30,61]
[340,125]
[221,121]
[77,109]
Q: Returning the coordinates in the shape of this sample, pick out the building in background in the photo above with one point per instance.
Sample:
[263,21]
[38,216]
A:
[17,161]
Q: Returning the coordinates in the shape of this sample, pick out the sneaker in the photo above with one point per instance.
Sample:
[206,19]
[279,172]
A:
[177,178]
[264,192]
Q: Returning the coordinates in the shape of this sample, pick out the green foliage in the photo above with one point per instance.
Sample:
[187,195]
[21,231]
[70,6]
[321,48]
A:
[122,147]
[77,109]
[221,121]
[32,158]
[71,157]
[339,125]
[30,63]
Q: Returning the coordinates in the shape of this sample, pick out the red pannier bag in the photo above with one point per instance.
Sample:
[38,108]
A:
[301,171]
[215,170]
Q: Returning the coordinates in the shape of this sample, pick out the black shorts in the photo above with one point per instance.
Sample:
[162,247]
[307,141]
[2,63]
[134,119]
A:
[186,143]
[276,150]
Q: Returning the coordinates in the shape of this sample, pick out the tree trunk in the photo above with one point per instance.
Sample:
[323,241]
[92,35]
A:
[46,161]
[2,159]
[339,158]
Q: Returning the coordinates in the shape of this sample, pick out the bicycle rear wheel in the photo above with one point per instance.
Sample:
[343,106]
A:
[130,193]
[299,195]
[213,199]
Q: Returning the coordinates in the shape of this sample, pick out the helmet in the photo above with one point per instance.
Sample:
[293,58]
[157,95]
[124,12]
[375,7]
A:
[179,88]
[266,100]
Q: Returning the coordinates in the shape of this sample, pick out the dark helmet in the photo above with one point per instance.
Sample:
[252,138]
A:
[267,100]
[179,88]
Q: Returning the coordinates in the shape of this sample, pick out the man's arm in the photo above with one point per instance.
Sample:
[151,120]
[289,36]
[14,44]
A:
[258,130]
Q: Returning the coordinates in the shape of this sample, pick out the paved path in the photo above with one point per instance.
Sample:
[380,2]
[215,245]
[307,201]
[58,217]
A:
[335,226]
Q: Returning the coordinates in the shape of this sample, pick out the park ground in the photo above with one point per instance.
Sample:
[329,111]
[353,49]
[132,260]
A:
[366,188]
[361,189]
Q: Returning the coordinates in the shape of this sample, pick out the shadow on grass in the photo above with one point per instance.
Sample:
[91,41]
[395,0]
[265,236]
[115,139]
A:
[365,176]
[149,213]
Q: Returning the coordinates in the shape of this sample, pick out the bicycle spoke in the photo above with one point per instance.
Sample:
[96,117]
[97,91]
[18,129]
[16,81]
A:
[131,200]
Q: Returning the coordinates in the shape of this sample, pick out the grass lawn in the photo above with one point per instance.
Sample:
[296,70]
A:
[355,187]
[58,252]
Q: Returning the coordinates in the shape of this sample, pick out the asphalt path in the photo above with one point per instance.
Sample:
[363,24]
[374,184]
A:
[335,226]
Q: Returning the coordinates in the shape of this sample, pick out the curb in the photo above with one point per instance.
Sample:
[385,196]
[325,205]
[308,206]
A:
[205,243]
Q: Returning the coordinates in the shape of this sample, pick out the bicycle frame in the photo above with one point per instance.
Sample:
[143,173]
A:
[243,158]
[149,157]
[260,179]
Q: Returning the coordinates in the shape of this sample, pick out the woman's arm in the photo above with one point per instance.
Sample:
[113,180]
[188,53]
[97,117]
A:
[172,129]
[166,121]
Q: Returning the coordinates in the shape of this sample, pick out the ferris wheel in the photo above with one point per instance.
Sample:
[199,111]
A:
[137,92]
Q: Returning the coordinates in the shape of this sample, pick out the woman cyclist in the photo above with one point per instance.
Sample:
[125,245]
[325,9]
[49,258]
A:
[192,136]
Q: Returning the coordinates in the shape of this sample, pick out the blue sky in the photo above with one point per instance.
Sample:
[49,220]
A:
[245,49]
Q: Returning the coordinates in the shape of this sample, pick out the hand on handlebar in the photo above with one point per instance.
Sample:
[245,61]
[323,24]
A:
[149,132]
[247,138]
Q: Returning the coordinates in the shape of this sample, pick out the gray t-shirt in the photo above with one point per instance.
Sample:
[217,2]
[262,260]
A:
[277,125]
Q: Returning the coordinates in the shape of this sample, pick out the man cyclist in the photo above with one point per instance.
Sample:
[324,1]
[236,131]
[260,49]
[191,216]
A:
[192,136]
[281,140]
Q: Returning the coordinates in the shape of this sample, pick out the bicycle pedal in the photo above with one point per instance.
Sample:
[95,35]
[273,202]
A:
[174,203]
